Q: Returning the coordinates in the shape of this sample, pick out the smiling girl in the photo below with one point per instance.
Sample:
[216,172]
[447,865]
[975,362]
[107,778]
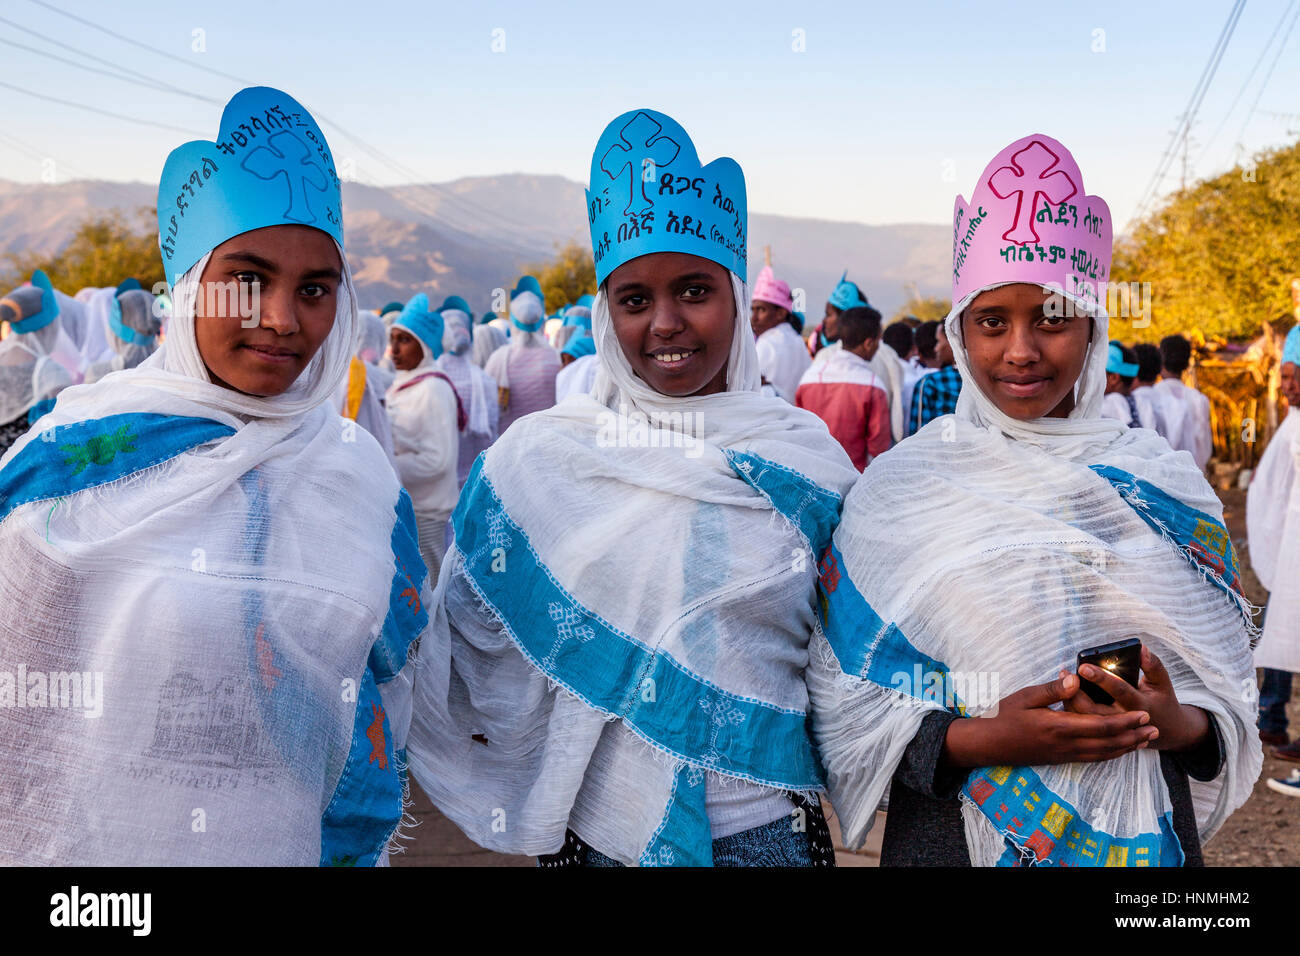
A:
[977,559]
[207,560]
[623,621]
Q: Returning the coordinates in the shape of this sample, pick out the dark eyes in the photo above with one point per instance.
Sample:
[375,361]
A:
[692,293]
[311,290]
[995,323]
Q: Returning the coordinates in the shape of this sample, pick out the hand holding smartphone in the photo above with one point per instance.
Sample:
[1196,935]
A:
[1121,658]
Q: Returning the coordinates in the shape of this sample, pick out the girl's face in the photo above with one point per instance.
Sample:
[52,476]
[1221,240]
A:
[406,350]
[674,316]
[266,303]
[1025,360]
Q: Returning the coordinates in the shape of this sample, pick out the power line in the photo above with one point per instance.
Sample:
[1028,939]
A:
[464,206]
[1236,99]
[1268,76]
[39,154]
[141,77]
[92,69]
[1193,105]
[96,109]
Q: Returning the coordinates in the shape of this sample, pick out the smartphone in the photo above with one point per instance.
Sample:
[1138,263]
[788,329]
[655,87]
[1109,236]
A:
[1121,658]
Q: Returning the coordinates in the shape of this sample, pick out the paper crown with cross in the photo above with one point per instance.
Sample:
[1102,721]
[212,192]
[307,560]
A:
[269,166]
[1029,220]
[649,193]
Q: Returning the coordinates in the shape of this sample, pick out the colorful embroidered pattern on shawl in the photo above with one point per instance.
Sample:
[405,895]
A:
[1201,539]
[72,458]
[1042,829]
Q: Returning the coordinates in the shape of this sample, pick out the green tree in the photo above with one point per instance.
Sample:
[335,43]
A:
[105,249]
[570,275]
[1220,254]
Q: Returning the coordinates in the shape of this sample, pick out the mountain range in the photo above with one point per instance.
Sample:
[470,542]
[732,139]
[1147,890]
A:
[473,235]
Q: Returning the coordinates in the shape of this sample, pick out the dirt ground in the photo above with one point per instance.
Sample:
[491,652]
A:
[1264,832]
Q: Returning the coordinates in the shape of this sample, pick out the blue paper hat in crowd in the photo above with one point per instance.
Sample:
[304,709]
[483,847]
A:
[391,307]
[586,301]
[425,325]
[1115,362]
[846,294]
[1291,348]
[649,193]
[457,303]
[528,284]
[579,315]
[15,305]
[121,329]
[486,318]
[580,346]
[269,166]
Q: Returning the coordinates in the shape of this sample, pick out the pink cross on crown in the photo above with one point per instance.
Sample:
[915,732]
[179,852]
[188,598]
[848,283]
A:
[1028,175]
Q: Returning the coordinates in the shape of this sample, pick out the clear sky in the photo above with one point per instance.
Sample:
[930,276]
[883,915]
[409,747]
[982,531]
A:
[871,112]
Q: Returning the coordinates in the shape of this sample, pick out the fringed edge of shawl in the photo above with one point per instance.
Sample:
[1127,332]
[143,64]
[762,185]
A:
[1243,604]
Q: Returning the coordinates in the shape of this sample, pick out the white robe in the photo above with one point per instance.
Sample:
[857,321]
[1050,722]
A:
[1187,416]
[1273,531]
[782,358]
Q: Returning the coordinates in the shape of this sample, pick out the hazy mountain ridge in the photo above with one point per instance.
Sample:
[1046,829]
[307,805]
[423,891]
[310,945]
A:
[472,235]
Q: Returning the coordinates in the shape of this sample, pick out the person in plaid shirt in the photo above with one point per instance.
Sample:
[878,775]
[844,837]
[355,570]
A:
[936,394]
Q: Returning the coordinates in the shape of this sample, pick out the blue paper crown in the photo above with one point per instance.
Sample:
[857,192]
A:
[270,166]
[649,193]
[846,294]
[586,301]
[49,306]
[424,325]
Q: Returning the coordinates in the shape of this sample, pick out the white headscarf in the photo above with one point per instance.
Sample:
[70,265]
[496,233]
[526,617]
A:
[179,367]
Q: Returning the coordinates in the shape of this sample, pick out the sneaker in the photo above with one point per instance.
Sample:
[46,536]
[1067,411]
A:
[1290,786]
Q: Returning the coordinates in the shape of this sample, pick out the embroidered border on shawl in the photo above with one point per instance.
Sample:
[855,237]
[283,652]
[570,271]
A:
[869,649]
[366,807]
[689,718]
[813,510]
[1043,829]
[1199,538]
[96,452]
[407,616]
[683,837]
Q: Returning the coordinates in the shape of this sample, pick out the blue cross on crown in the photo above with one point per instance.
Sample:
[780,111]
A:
[268,166]
[649,193]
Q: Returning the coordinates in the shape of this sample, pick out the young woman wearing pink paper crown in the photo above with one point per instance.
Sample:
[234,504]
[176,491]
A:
[977,559]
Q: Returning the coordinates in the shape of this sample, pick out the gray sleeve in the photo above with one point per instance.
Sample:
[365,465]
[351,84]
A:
[1205,761]
[923,768]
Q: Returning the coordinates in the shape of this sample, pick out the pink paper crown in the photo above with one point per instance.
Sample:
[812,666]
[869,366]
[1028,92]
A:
[1029,220]
[768,288]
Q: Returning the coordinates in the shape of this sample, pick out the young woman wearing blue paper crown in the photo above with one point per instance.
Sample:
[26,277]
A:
[215,569]
[980,557]
[622,624]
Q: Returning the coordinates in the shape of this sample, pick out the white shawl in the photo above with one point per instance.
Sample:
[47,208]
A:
[623,620]
[223,587]
[992,550]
